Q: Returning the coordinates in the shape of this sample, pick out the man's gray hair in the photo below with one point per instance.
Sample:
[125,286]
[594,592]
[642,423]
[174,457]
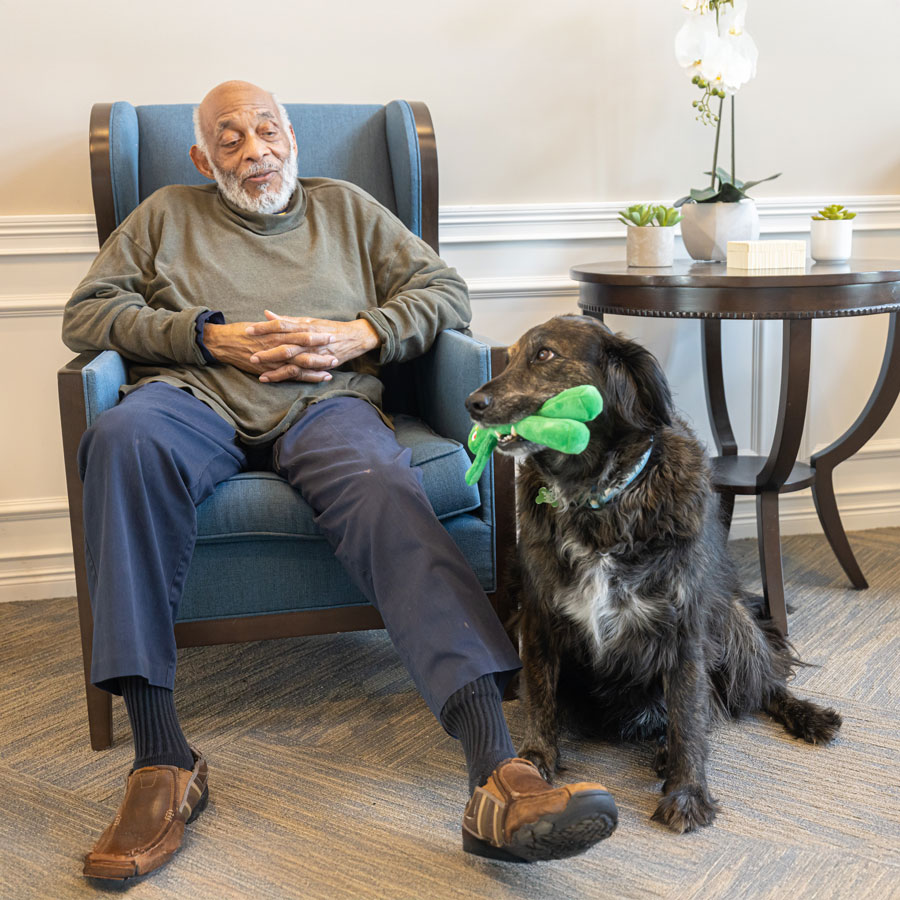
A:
[200,137]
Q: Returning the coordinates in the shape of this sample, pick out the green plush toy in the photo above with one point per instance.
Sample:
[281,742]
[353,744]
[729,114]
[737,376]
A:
[558,424]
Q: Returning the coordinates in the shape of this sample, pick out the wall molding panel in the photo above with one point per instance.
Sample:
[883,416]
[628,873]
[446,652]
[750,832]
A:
[501,223]
[47,235]
[32,305]
[516,260]
[599,221]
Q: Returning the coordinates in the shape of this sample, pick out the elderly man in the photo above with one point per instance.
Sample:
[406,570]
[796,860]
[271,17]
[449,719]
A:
[254,313]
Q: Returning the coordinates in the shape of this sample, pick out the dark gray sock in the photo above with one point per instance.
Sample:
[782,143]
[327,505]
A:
[158,739]
[474,714]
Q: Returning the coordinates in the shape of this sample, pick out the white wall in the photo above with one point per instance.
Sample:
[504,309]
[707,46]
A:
[548,117]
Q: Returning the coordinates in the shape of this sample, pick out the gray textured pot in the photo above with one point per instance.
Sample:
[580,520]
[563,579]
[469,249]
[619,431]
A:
[707,228]
[651,246]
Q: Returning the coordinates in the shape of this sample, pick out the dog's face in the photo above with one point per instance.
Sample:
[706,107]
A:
[565,352]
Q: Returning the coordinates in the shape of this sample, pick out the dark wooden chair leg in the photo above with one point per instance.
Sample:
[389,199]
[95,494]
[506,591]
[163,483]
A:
[99,704]
[830,517]
[769,535]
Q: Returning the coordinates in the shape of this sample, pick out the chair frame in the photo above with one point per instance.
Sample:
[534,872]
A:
[73,416]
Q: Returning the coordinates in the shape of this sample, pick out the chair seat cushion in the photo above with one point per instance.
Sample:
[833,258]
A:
[263,503]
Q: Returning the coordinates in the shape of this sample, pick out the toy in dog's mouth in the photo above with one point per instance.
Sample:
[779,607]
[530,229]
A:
[559,425]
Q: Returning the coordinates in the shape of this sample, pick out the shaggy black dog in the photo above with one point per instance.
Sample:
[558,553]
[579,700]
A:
[632,621]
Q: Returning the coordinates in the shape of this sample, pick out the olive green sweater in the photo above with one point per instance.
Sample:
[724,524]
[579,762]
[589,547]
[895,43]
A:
[335,253]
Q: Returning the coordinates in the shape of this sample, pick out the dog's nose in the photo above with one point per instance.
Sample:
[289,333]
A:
[478,402]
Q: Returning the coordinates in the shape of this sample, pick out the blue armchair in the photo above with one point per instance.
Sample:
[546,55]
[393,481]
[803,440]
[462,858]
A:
[257,545]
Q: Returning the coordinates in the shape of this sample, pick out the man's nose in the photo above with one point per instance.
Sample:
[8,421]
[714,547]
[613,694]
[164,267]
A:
[255,148]
[478,401]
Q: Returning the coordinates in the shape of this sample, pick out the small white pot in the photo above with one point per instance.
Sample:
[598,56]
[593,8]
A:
[649,246]
[831,239]
[707,228]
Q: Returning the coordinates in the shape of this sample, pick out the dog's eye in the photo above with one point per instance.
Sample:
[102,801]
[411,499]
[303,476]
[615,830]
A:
[544,354]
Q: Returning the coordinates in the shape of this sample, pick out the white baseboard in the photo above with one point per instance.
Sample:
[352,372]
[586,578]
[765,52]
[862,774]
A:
[860,510]
[37,576]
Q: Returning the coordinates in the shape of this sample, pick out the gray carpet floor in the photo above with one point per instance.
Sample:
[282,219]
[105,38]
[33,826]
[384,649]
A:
[330,779]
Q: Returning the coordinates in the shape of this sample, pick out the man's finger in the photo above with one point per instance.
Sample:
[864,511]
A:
[295,373]
[274,326]
[297,353]
[297,338]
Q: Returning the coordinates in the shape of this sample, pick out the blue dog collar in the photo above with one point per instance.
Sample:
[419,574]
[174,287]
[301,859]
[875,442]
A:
[596,498]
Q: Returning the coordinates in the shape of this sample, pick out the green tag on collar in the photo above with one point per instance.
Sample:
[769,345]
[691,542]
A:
[545,495]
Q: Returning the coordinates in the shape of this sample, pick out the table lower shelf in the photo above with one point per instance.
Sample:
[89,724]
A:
[739,475]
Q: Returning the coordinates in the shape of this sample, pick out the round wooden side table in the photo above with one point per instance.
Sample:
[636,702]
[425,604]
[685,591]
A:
[712,292]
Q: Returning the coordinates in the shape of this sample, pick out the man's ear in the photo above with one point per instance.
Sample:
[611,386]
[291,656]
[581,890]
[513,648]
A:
[293,138]
[200,161]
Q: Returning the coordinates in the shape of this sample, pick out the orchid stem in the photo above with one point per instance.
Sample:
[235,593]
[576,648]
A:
[712,182]
[733,172]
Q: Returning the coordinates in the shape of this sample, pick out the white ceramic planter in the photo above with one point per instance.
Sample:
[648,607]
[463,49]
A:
[707,228]
[649,246]
[831,239]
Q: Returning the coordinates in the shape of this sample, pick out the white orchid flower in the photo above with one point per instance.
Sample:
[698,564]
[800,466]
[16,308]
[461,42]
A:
[701,6]
[731,17]
[694,42]
[729,63]
[724,54]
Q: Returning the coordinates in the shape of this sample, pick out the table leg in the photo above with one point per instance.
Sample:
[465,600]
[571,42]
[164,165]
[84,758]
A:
[795,357]
[717,406]
[881,401]
[768,534]
[830,517]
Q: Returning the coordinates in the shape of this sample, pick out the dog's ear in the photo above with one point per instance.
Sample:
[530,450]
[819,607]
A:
[637,386]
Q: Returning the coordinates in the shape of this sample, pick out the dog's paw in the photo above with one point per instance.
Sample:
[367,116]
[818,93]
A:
[686,808]
[822,727]
[547,763]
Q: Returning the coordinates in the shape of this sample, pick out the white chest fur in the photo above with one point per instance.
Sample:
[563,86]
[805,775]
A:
[598,603]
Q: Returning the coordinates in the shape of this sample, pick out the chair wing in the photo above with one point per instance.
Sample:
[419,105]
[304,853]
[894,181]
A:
[389,151]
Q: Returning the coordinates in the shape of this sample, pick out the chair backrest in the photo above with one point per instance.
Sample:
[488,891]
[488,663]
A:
[388,151]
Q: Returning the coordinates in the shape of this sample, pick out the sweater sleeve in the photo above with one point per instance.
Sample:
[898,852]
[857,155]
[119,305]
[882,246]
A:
[110,311]
[419,297]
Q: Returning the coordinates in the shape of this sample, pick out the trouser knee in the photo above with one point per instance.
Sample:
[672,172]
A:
[119,434]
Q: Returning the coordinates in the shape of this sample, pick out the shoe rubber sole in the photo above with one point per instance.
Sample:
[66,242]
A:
[589,817]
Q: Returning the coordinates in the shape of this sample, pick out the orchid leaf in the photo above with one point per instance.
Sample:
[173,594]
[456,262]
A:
[707,195]
[730,194]
[749,184]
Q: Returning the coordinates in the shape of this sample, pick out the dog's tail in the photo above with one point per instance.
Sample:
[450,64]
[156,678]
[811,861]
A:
[802,718]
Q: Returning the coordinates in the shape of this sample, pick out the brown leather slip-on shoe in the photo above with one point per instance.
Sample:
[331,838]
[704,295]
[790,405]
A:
[519,817]
[149,826]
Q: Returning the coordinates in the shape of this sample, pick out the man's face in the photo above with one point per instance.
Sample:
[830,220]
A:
[250,151]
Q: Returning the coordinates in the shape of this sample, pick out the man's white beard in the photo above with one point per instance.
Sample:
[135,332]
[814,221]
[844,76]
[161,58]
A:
[258,198]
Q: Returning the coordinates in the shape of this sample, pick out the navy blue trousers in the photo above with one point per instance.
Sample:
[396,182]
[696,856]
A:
[147,464]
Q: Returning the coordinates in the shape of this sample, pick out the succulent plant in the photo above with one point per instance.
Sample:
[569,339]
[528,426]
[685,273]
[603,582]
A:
[642,214]
[835,211]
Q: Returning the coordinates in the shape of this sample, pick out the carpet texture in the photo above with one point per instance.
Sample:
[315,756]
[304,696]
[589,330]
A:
[330,779]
